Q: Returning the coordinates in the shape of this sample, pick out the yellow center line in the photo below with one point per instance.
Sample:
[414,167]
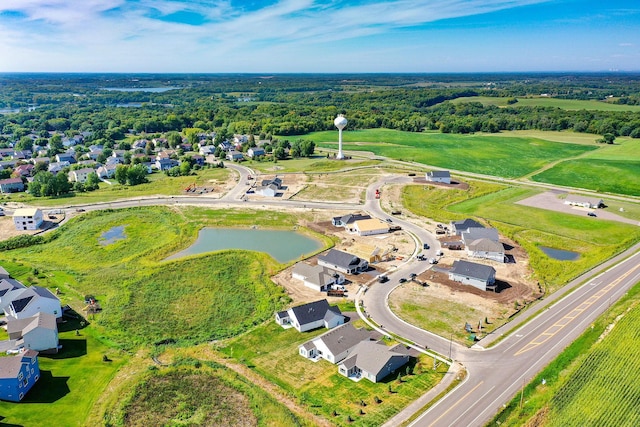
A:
[568,318]
[455,404]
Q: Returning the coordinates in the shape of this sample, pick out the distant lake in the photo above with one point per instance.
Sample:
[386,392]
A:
[141,89]
[560,254]
[283,245]
[130,105]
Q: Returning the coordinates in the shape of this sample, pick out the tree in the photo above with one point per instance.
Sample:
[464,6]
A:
[121,174]
[279,153]
[137,175]
[93,182]
[185,168]
[25,143]
[174,139]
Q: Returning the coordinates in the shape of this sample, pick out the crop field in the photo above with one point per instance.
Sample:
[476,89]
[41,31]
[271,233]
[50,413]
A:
[589,383]
[273,352]
[543,101]
[610,169]
[486,154]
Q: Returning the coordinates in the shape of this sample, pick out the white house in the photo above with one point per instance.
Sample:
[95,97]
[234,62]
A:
[480,276]
[27,218]
[255,152]
[459,227]
[439,176]
[585,202]
[316,277]
[472,234]
[343,262]
[31,301]
[373,361]
[80,175]
[107,171]
[310,316]
[235,156]
[486,249]
[39,332]
[369,227]
[334,345]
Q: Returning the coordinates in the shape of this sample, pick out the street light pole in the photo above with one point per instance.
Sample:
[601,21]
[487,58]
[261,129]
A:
[450,344]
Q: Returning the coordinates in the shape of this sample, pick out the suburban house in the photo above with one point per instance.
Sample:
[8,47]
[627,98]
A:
[472,234]
[31,301]
[11,185]
[56,167]
[107,171]
[317,277]
[9,289]
[310,316]
[27,218]
[343,262]
[585,202]
[18,374]
[458,227]
[439,176]
[235,156]
[65,157]
[480,276]
[269,187]
[255,152]
[23,170]
[373,360]
[165,163]
[346,221]
[80,175]
[39,332]
[335,345]
[207,150]
[487,249]
[369,227]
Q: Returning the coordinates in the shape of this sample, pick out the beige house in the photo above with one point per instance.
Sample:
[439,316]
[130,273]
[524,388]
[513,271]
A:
[369,227]
[27,218]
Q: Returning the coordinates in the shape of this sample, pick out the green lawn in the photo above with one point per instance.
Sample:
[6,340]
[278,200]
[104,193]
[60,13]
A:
[316,163]
[542,101]
[487,154]
[70,383]
[273,352]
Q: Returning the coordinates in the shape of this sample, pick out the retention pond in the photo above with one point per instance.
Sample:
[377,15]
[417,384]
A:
[559,254]
[283,245]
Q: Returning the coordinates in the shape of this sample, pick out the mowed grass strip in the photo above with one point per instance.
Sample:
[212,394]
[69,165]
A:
[508,157]
[605,176]
[544,101]
[273,352]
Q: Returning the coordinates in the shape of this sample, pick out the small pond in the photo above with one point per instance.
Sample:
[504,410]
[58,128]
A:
[112,235]
[560,254]
[283,245]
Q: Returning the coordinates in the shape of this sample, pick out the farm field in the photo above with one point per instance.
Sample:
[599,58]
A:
[611,169]
[273,353]
[588,383]
[486,154]
[159,184]
[544,101]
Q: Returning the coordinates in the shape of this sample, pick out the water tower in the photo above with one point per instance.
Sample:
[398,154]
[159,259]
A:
[340,123]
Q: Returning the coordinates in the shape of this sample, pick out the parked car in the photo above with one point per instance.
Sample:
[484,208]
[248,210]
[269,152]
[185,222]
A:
[425,246]
[389,220]
[382,278]
[413,275]
[433,261]
[402,280]
[591,214]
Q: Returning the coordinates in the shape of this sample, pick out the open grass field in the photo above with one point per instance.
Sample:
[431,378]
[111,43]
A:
[589,383]
[596,241]
[70,382]
[544,101]
[204,394]
[610,169]
[346,186]
[273,352]
[486,154]
[159,184]
[316,163]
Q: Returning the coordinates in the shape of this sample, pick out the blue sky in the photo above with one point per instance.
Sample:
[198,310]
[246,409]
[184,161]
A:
[254,36]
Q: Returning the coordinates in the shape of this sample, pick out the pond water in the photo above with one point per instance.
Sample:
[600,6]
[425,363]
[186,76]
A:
[560,254]
[141,89]
[282,245]
[112,235]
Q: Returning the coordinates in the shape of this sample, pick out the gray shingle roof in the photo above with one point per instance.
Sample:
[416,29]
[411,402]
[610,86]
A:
[480,233]
[465,224]
[371,356]
[311,312]
[473,270]
[339,258]
[439,174]
[343,338]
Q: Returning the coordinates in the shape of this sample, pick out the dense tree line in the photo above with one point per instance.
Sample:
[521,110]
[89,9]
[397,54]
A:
[295,105]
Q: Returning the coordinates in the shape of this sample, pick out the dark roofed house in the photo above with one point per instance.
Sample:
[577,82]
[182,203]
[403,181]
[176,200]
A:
[18,374]
[346,220]
[477,275]
[4,274]
[28,302]
[343,262]
[373,361]
[310,316]
[458,227]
